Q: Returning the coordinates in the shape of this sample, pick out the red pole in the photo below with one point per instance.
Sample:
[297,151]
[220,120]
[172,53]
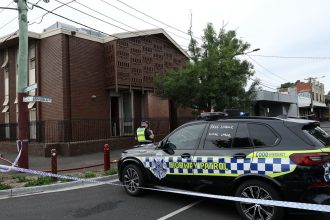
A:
[23,126]
[53,163]
[106,151]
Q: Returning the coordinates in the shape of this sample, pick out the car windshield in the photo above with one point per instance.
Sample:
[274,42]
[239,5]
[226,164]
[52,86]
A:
[318,133]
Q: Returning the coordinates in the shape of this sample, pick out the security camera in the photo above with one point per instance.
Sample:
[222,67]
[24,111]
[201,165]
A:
[46,1]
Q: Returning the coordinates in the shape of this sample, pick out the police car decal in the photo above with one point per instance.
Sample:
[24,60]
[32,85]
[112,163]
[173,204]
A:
[327,172]
[216,166]
[158,166]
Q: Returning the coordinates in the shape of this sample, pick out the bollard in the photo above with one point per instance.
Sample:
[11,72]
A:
[53,163]
[106,151]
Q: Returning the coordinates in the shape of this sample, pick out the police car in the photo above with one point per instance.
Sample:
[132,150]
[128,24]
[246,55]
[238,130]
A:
[252,157]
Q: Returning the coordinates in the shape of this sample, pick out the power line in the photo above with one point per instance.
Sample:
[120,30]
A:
[265,68]
[92,16]
[141,19]
[290,57]
[11,2]
[259,81]
[149,16]
[85,13]
[73,21]
[266,73]
[42,16]
[8,22]
[105,15]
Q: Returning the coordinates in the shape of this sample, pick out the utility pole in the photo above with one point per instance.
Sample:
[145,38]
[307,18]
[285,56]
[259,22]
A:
[22,83]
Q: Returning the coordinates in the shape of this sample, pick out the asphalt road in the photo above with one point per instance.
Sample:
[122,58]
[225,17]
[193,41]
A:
[111,202]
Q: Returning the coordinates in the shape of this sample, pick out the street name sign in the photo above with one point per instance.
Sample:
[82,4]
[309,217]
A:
[30,88]
[37,99]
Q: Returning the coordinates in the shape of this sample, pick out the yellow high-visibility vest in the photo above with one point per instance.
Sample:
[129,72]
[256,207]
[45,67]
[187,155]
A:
[140,133]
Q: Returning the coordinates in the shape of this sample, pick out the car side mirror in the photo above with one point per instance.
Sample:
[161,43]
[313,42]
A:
[169,148]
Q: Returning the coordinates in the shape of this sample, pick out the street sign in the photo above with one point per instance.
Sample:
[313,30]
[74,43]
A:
[30,88]
[37,99]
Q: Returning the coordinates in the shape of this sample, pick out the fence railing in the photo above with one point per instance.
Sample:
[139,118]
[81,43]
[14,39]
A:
[87,129]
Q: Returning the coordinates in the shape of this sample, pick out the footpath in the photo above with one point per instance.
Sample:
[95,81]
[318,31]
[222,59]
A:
[15,184]
[44,163]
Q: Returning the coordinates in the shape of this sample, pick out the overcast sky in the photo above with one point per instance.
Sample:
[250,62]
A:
[297,28]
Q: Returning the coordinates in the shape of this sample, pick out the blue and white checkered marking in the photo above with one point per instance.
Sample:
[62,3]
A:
[234,166]
[327,172]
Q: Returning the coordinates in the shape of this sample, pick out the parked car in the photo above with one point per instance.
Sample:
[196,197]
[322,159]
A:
[253,157]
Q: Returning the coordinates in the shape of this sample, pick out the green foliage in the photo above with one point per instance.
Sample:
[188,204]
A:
[42,180]
[327,99]
[4,186]
[109,172]
[287,85]
[88,175]
[216,77]
[65,180]
[20,179]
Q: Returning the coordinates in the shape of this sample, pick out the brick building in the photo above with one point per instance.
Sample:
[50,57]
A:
[101,86]
[308,93]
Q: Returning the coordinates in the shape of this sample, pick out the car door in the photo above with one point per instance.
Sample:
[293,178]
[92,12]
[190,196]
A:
[178,150]
[226,153]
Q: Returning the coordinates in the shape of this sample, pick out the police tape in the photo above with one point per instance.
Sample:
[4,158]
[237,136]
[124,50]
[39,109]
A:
[19,146]
[285,204]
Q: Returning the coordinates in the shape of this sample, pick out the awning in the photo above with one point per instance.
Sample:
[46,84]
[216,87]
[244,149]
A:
[5,109]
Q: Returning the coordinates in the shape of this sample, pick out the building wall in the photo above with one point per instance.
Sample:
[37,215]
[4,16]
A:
[51,76]
[157,107]
[87,72]
[12,84]
[139,59]
[2,91]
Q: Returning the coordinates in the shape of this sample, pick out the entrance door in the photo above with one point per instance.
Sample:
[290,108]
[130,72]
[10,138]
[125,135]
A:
[127,113]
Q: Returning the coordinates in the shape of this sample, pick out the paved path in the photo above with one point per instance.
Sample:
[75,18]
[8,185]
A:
[43,163]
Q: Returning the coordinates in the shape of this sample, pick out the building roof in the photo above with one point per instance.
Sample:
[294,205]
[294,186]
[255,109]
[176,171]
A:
[149,32]
[61,28]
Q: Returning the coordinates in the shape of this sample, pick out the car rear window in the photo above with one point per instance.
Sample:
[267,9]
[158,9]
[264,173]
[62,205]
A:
[315,132]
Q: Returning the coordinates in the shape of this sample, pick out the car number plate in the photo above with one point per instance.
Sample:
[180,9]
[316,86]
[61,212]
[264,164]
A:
[327,172]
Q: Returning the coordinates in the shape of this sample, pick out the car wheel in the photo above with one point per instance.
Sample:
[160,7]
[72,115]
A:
[133,179]
[255,189]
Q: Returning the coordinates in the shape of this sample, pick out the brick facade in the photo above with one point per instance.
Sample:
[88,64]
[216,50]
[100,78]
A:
[96,81]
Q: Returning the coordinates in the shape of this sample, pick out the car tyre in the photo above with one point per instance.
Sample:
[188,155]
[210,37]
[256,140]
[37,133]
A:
[258,190]
[133,180]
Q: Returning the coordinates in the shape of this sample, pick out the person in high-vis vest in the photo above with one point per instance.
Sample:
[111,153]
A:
[143,134]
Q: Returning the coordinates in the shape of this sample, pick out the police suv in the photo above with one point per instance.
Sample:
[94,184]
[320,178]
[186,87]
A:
[251,157]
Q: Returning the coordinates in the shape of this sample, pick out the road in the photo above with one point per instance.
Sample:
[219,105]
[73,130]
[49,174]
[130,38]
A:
[111,202]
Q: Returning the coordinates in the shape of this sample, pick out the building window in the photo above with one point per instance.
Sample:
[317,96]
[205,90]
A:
[7,125]
[6,95]
[32,67]
[33,119]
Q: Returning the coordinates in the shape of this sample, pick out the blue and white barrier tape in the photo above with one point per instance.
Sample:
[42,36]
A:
[295,205]
[19,145]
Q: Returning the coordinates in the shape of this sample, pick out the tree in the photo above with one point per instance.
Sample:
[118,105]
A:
[327,99]
[287,85]
[215,77]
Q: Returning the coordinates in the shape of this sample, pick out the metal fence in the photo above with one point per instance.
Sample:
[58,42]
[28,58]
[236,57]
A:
[86,129]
